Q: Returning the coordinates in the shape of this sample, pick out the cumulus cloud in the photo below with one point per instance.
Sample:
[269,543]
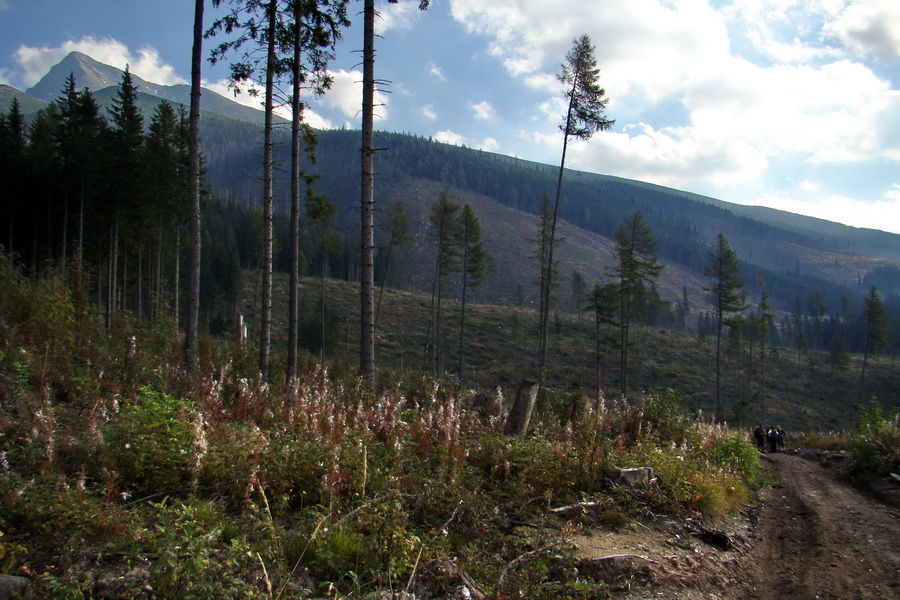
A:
[402,15]
[451,137]
[870,27]
[435,72]
[346,96]
[34,62]
[729,117]
[428,112]
[483,110]
[883,213]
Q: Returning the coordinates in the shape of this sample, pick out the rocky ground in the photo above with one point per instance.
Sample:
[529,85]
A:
[816,534]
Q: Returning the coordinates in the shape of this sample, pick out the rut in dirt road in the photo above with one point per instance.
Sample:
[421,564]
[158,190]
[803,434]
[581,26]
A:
[819,538]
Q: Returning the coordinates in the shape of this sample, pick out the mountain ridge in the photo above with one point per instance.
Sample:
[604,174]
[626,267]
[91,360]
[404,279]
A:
[789,247]
[96,76]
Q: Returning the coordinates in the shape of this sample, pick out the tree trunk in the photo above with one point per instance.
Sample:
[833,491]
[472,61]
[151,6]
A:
[265,333]
[192,317]
[549,283]
[293,300]
[462,313]
[367,259]
[520,414]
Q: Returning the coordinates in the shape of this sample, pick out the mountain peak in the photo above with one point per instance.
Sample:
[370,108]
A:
[89,73]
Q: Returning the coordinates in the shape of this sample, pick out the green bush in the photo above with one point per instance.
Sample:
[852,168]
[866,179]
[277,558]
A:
[876,441]
[150,443]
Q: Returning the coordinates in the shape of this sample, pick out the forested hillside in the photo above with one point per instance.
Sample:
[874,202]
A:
[71,194]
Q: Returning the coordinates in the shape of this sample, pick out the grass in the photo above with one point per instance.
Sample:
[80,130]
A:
[501,343]
[120,476]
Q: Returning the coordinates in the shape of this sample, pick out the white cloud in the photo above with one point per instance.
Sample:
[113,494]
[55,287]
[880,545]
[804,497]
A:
[428,112]
[883,214]
[346,96]
[698,112]
[402,15]
[451,137]
[483,110]
[435,72]
[489,145]
[870,27]
[245,97]
[34,62]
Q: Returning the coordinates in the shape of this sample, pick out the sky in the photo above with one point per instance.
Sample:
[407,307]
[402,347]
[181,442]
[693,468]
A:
[791,104]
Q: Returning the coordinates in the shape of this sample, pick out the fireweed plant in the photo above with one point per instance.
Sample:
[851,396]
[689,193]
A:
[120,477]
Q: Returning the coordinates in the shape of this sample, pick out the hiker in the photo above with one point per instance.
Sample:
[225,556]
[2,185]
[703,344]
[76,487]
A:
[773,439]
[759,434]
[780,433]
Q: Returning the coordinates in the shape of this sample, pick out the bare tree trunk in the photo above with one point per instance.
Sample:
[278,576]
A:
[520,414]
[176,299]
[293,300]
[549,283]
[192,317]
[367,200]
[387,267]
[265,334]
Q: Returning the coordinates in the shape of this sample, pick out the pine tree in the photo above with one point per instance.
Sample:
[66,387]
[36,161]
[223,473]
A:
[603,303]
[584,117]
[312,33]
[398,226]
[876,331]
[728,298]
[12,165]
[192,310]
[548,279]
[473,263]
[445,234]
[636,265]
[167,191]
[79,138]
[367,195]
[126,173]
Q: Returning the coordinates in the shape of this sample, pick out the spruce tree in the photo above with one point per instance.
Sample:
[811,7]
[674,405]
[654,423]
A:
[585,116]
[636,266]
[473,264]
[724,269]
[367,195]
[192,310]
[876,331]
[444,232]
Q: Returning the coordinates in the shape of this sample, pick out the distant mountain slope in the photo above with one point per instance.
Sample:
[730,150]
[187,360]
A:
[28,104]
[798,255]
[97,76]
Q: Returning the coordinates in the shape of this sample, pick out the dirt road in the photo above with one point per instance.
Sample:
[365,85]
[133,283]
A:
[819,537]
[813,536]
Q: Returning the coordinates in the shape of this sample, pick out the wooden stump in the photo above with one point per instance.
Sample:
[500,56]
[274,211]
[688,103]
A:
[520,414]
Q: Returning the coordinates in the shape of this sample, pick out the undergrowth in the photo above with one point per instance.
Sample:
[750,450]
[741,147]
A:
[120,477]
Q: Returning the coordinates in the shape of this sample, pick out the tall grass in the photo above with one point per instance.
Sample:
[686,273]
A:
[117,471]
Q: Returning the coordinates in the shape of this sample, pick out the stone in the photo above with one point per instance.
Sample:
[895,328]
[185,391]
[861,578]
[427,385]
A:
[638,477]
[12,586]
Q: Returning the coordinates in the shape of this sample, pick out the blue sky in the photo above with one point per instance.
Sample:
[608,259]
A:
[793,104]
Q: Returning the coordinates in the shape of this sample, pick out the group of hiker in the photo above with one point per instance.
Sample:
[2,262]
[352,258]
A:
[774,436]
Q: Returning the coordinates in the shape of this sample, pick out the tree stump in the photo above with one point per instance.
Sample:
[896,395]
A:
[520,414]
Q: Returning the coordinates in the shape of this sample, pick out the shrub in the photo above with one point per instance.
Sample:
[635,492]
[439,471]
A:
[876,441]
[149,444]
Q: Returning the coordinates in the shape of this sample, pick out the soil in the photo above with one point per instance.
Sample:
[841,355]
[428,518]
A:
[816,534]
